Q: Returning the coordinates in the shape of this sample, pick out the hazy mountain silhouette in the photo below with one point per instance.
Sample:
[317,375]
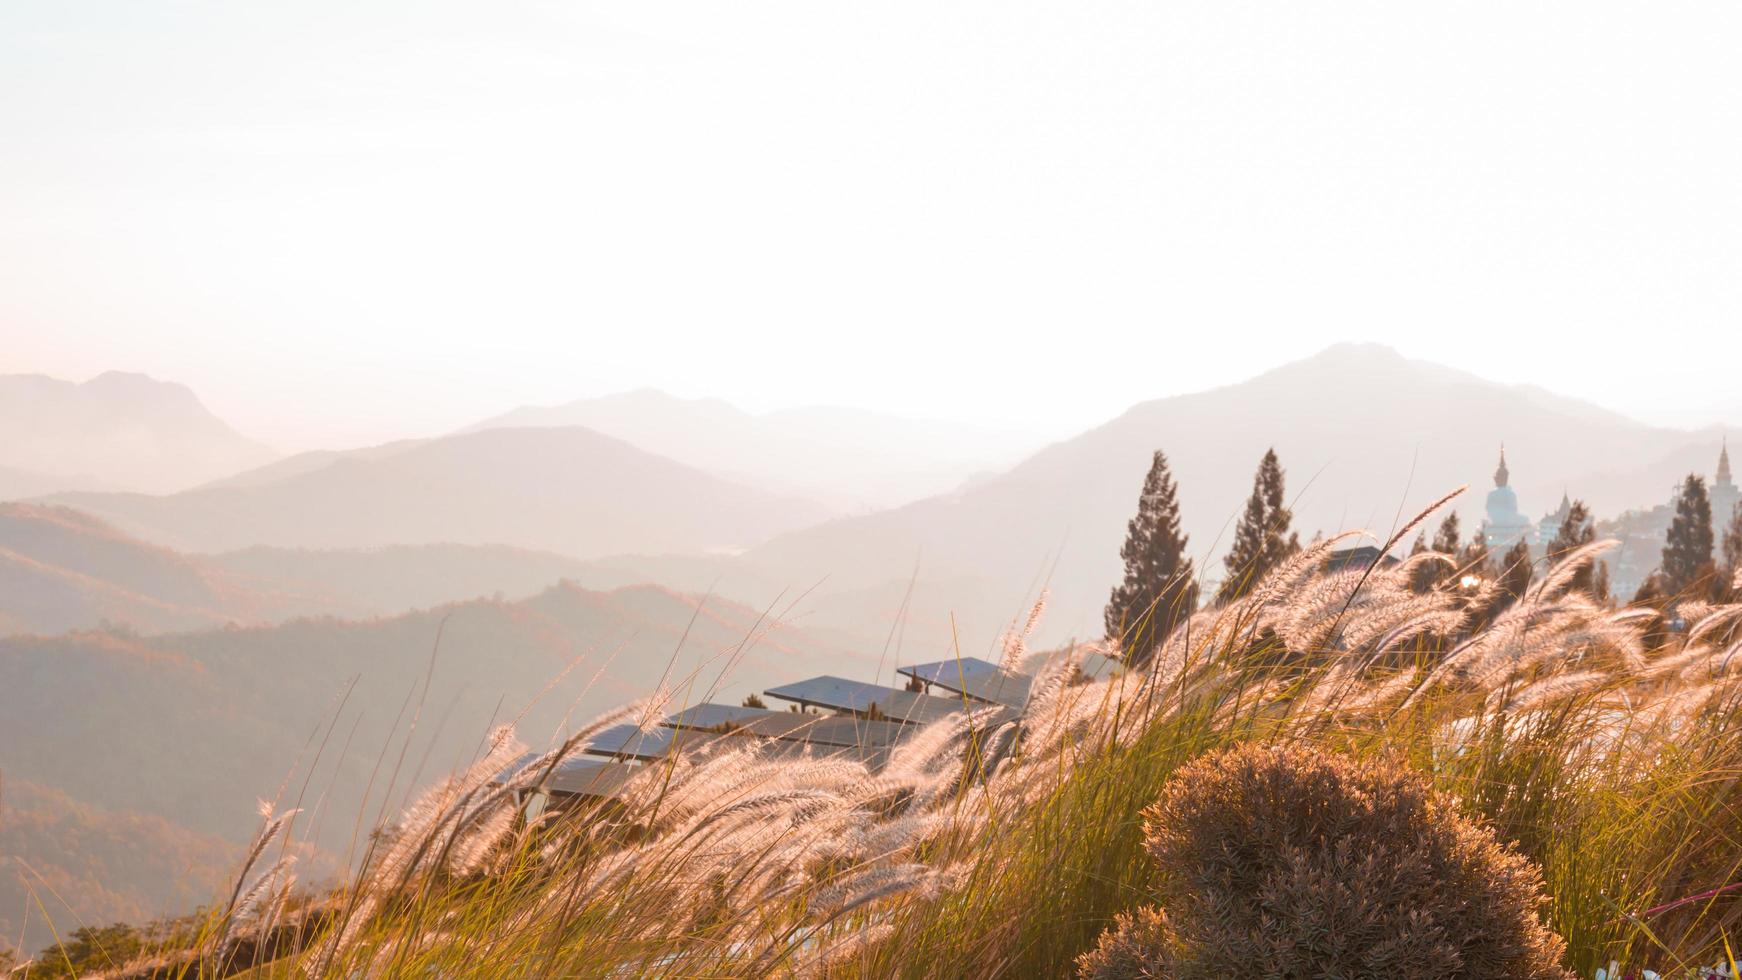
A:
[847,458]
[1365,435]
[17,484]
[193,727]
[568,490]
[308,462]
[61,569]
[120,429]
[384,581]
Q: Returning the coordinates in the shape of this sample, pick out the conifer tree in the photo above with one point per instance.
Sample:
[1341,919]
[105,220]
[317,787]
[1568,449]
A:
[1515,571]
[1687,550]
[1159,589]
[1732,553]
[1262,538]
[1446,539]
[1575,532]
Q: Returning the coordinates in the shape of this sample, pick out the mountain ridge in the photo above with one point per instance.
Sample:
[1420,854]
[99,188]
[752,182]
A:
[124,429]
[1385,435]
[570,490]
[850,459]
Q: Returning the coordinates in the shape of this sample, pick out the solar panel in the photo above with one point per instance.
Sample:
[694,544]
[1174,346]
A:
[629,741]
[715,716]
[979,679]
[574,770]
[592,778]
[831,692]
[825,730]
[873,756]
[941,671]
[859,697]
[513,769]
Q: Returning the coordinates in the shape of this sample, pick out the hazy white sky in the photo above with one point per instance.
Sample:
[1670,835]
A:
[342,221]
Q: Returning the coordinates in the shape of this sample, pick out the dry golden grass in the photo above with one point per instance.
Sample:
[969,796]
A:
[998,847]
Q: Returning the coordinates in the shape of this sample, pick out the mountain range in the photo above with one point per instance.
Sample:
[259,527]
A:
[190,728]
[95,865]
[117,430]
[1367,437]
[62,569]
[223,626]
[569,490]
[848,459]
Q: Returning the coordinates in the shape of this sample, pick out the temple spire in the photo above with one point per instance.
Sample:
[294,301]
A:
[1501,475]
[1724,462]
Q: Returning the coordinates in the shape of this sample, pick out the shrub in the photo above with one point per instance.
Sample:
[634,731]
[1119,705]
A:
[1290,862]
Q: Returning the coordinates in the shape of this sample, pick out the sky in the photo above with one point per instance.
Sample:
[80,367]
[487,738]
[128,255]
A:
[344,222]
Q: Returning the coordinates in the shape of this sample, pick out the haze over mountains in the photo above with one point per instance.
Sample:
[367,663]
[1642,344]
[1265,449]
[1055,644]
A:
[105,865]
[569,490]
[1363,432]
[1365,435]
[843,457]
[236,706]
[190,728]
[118,430]
[236,611]
[62,569]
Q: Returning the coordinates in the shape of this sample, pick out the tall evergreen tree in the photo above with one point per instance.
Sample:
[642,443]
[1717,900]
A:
[1575,532]
[1687,551]
[1159,589]
[1515,571]
[1446,538]
[1732,552]
[1600,582]
[1262,538]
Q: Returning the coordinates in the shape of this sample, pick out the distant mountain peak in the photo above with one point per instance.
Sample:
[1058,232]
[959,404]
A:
[124,428]
[1358,350]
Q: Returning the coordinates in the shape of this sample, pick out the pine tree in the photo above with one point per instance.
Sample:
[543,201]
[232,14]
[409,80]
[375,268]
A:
[1515,571]
[1575,532]
[1600,583]
[1262,538]
[1159,589]
[1446,539]
[1732,553]
[1687,551]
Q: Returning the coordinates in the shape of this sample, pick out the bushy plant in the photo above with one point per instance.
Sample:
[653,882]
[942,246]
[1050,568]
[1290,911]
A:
[1292,862]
